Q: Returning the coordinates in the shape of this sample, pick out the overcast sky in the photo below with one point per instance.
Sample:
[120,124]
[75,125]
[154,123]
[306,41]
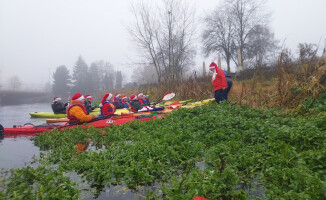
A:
[36,36]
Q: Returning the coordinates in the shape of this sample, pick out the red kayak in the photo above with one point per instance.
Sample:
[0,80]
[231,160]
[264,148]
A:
[32,130]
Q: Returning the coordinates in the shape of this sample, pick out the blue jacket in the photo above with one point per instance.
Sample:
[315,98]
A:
[118,104]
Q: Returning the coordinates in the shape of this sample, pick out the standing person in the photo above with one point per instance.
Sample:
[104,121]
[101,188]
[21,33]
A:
[107,106]
[218,81]
[229,83]
[118,101]
[125,101]
[58,107]
[77,112]
[88,103]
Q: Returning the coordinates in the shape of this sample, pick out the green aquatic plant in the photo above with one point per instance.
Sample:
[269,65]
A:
[216,151]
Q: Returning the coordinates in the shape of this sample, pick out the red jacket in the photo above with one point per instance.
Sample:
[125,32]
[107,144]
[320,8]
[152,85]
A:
[220,80]
[108,108]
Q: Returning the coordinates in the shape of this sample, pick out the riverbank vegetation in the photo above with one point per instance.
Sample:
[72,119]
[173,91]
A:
[217,151]
[267,142]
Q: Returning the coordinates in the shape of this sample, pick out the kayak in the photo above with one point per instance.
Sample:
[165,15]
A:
[32,130]
[52,115]
[120,111]
[167,103]
[138,114]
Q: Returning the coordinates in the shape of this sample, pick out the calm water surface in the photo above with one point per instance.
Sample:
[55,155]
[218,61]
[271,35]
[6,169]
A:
[15,152]
[18,152]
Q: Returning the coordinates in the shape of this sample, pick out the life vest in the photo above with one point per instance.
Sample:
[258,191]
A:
[107,102]
[73,119]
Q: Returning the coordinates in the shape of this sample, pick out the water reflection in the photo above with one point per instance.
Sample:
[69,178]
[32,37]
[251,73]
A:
[19,151]
[19,115]
[15,152]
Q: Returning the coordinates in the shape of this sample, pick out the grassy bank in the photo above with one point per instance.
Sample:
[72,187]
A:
[216,151]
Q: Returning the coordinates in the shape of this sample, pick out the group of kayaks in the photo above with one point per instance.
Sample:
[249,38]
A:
[122,116]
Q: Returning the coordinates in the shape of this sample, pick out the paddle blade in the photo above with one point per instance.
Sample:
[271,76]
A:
[168,96]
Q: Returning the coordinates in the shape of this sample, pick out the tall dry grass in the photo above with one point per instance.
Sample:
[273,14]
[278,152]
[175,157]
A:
[295,80]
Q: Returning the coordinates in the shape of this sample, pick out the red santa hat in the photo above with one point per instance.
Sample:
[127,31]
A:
[133,97]
[55,99]
[117,95]
[124,97]
[88,96]
[213,65]
[106,97]
[140,94]
[78,97]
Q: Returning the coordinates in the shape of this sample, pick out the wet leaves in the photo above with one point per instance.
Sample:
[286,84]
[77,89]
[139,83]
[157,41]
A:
[216,151]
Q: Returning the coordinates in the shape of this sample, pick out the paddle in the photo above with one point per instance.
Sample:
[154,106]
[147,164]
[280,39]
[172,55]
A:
[68,101]
[165,97]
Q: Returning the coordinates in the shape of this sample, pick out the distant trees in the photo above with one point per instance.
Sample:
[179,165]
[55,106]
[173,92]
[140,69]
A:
[239,26]
[218,35]
[118,83]
[164,36]
[15,83]
[261,46]
[99,76]
[94,77]
[106,74]
[80,76]
[144,75]
[47,88]
[61,81]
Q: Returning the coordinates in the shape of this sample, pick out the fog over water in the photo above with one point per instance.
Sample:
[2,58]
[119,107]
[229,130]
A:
[36,36]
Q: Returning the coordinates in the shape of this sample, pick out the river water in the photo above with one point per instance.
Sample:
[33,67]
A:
[14,152]
[20,151]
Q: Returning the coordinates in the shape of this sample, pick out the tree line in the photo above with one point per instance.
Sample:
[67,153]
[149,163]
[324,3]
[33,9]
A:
[165,33]
[98,77]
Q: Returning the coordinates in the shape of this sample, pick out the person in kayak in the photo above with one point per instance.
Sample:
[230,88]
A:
[77,112]
[134,104]
[88,103]
[142,99]
[229,83]
[58,107]
[107,106]
[118,101]
[124,100]
[218,81]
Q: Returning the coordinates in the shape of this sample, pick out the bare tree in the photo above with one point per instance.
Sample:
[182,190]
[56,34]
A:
[144,75]
[15,83]
[118,78]
[164,36]
[247,14]
[218,35]
[106,74]
[262,46]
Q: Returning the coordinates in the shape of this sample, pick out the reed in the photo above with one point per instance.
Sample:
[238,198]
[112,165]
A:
[294,81]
